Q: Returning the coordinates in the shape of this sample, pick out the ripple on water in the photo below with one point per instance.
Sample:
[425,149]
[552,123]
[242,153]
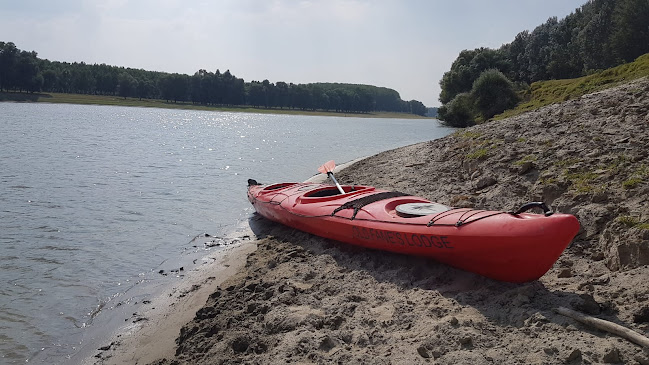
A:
[108,193]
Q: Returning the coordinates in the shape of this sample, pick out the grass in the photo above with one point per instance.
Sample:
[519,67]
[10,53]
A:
[467,134]
[478,154]
[547,180]
[637,177]
[566,162]
[633,222]
[631,183]
[618,165]
[583,181]
[61,98]
[642,170]
[544,93]
[473,140]
[524,160]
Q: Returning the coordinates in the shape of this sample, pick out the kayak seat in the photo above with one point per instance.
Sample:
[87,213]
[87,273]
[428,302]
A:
[324,192]
[332,191]
[359,203]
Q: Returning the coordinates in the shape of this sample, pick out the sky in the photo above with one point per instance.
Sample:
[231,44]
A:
[405,45]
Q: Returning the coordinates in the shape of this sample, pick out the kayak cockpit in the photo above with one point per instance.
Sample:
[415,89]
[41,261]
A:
[331,193]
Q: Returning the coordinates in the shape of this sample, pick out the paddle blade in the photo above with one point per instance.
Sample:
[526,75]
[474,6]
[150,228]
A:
[327,167]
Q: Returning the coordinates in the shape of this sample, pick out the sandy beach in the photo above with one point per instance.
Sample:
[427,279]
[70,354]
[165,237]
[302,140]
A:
[290,297]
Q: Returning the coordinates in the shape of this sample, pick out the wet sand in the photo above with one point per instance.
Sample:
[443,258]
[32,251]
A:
[151,332]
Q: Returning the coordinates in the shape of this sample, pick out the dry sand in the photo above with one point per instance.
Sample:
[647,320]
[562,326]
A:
[306,300]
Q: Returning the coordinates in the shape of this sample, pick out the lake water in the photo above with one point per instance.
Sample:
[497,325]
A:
[95,199]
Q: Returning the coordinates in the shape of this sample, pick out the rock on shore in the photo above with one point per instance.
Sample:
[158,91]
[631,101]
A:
[303,299]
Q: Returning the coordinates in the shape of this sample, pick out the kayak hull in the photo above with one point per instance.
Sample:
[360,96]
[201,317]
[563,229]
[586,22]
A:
[502,246]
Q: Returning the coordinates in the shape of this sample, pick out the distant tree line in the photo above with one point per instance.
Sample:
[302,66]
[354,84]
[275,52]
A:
[600,34]
[24,71]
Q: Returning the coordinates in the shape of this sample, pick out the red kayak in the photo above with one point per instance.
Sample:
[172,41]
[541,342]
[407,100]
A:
[508,246]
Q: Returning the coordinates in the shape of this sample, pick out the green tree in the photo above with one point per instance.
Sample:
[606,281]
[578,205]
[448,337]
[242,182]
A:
[255,94]
[65,80]
[493,93]
[629,38]
[365,101]
[593,36]
[201,87]
[515,53]
[236,92]
[127,85]
[417,107]
[282,96]
[26,72]
[564,59]
[83,82]
[459,112]
[174,87]
[268,93]
[217,90]
[319,97]
[335,100]
[49,80]
[106,79]
[145,88]
[8,60]
[467,67]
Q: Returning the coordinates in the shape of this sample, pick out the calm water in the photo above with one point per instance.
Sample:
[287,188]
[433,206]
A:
[94,199]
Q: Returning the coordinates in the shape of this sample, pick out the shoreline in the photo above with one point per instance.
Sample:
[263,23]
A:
[150,335]
[111,279]
[81,99]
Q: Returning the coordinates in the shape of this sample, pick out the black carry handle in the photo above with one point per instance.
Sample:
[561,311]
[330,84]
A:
[252,182]
[525,207]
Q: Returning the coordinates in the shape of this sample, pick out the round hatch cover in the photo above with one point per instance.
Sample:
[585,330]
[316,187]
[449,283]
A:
[420,209]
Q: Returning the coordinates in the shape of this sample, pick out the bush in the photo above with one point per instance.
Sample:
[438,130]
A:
[493,93]
[459,112]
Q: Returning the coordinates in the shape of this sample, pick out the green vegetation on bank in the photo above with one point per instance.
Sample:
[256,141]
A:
[61,98]
[22,71]
[633,222]
[544,93]
[599,35]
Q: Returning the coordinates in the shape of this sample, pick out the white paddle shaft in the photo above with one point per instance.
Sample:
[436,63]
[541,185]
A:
[331,175]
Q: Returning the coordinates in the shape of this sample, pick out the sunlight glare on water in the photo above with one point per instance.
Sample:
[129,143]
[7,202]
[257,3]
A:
[96,199]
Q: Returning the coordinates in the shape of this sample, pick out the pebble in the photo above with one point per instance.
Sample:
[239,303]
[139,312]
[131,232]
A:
[526,167]
[612,356]
[423,352]
[485,182]
[574,355]
[565,273]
